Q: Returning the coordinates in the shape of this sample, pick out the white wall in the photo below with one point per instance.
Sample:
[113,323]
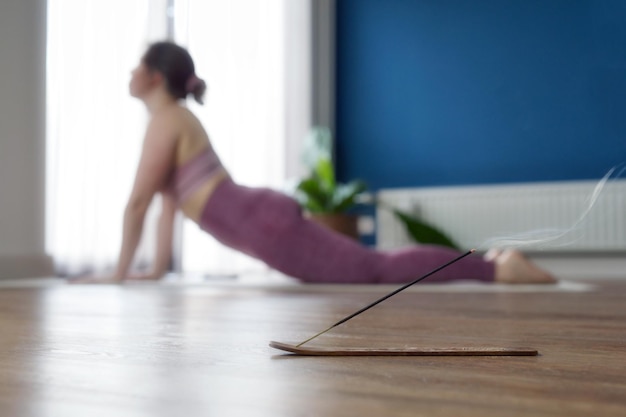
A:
[22,133]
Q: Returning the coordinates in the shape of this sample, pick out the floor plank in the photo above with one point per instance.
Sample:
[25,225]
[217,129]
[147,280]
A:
[154,350]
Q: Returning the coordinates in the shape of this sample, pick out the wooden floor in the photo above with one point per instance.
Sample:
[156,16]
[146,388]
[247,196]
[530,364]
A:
[154,350]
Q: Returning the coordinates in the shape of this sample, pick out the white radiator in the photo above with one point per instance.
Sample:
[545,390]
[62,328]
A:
[472,215]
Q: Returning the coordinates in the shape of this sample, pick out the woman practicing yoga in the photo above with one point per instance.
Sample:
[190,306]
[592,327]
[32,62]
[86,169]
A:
[178,161]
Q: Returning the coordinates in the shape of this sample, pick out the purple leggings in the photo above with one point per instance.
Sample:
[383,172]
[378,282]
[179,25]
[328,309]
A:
[269,226]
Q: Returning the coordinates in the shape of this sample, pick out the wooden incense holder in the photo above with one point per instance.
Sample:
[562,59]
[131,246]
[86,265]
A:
[409,351]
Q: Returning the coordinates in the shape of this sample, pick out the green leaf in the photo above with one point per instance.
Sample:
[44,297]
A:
[422,232]
[326,174]
[310,194]
[344,196]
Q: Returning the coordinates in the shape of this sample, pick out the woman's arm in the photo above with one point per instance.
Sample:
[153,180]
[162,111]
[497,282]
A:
[155,165]
[165,234]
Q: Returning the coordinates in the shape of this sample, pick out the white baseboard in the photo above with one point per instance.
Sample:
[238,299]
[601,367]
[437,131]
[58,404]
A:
[26,266]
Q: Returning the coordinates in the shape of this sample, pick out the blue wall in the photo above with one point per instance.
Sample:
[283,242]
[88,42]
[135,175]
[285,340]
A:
[442,92]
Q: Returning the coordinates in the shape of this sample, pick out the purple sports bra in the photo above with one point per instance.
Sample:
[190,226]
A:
[191,175]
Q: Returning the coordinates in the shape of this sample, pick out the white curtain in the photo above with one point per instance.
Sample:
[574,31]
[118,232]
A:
[239,49]
[94,128]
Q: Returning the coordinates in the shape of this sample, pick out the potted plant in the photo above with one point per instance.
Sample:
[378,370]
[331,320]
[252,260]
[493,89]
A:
[324,199]
[330,203]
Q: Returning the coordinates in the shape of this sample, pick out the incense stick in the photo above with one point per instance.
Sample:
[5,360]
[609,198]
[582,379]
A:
[404,287]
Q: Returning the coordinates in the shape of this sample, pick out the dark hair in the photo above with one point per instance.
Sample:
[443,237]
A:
[176,65]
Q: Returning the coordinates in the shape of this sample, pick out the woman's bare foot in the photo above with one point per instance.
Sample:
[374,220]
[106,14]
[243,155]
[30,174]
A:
[492,254]
[514,268]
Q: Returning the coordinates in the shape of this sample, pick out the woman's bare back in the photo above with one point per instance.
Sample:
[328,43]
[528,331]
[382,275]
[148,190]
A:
[192,140]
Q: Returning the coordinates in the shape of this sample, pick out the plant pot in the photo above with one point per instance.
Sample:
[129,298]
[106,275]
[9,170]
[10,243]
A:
[345,224]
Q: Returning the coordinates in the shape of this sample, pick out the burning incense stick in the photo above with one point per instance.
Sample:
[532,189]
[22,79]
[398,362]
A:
[404,287]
